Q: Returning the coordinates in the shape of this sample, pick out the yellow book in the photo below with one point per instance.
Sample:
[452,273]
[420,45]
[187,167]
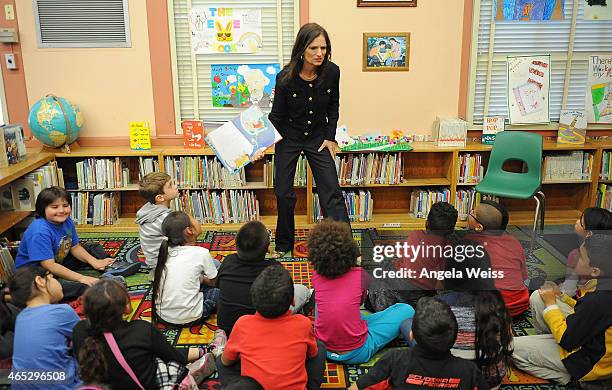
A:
[140,136]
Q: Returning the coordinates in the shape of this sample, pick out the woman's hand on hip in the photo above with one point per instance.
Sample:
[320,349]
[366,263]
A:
[331,146]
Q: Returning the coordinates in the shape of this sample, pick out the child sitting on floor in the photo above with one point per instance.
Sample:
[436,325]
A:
[273,346]
[576,336]
[51,241]
[429,364]
[593,220]
[484,334]
[340,289]
[158,189]
[183,287]
[144,347]
[488,223]
[238,272]
[43,330]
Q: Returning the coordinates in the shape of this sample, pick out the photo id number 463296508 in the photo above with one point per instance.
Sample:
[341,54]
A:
[35,376]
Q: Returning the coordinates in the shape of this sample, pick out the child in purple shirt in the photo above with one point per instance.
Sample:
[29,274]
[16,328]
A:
[340,289]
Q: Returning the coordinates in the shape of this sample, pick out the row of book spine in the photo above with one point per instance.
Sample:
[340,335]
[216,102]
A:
[202,172]
[89,208]
[21,193]
[606,166]
[7,264]
[359,205]
[604,196]
[219,207]
[576,165]
[370,168]
[471,169]
[467,199]
[299,180]
[102,174]
[147,165]
[421,200]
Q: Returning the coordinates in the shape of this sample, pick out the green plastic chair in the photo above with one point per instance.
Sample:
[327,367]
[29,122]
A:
[525,147]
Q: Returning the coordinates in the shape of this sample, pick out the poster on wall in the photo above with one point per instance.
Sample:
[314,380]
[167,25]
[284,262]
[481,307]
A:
[527,10]
[225,30]
[598,102]
[528,89]
[597,10]
[243,85]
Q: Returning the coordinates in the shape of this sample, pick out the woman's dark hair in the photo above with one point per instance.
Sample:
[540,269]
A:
[23,283]
[173,228]
[434,326]
[332,249]
[7,317]
[48,196]
[597,220]
[104,305]
[442,218]
[272,291]
[304,37]
[252,241]
[493,332]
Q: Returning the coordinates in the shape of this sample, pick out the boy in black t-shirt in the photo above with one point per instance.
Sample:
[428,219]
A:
[429,365]
[238,272]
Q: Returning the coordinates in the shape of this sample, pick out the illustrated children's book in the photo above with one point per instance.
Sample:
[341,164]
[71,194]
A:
[12,145]
[236,142]
[491,125]
[572,127]
[193,134]
[140,136]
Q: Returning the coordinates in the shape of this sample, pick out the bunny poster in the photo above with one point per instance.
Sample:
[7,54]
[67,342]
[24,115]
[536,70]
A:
[225,30]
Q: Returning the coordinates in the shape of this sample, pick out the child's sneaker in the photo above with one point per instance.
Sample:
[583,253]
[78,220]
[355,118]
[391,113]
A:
[219,341]
[116,278]
[123,268]
[202,368]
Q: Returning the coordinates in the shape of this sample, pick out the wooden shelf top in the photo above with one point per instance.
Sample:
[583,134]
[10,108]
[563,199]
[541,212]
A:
[565,181]
[416,182]
[35,158]
[205,151]
[8,219]
[107,151]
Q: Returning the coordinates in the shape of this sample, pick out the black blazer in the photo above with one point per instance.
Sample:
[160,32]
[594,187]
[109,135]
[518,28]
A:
[307,108]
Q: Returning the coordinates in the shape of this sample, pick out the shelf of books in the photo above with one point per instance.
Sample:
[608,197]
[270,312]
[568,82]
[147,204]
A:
[381,189]
[21,183]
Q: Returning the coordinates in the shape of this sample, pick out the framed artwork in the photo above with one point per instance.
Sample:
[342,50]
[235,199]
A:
[386,3]
[386,52]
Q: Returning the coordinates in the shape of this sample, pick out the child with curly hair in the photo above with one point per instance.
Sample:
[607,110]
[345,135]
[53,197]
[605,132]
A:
[340,287]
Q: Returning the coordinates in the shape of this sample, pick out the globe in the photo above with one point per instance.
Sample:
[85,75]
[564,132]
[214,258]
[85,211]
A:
[52,118]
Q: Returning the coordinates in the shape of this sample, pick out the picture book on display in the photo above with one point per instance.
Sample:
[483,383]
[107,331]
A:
[12,145]
[236,142]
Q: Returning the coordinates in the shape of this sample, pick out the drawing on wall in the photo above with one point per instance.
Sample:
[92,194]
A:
[597,9]
[526,10]
[598,102]
[225,30]
[528,89]
[243,85]
[386,51]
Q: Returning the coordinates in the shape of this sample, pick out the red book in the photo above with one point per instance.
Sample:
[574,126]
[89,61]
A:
[193,134]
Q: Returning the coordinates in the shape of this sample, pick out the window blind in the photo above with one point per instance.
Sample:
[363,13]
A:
[193,94]
[533,38]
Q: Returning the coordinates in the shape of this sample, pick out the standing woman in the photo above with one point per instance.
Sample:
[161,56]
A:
[305,112]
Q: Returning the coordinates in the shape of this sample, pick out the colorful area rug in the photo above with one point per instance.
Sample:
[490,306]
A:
[542,263]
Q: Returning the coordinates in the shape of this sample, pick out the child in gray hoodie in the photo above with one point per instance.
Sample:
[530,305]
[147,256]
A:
[158,189]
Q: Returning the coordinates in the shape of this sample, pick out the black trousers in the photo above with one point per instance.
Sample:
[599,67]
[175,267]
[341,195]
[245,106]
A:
[286,155]
[229,376]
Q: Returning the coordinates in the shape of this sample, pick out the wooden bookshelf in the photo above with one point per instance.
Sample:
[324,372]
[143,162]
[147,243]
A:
[426,166]
[35,158]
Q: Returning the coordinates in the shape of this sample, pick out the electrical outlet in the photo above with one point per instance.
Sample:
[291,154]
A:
[11,63]
[9,12]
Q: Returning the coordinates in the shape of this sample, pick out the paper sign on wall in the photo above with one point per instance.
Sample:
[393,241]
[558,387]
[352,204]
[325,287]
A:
[572,127]
[225,30]
[235,85]
[598,102]
[597,10]
[528,89]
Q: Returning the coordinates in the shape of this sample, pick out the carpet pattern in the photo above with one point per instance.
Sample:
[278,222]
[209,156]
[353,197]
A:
[542,263]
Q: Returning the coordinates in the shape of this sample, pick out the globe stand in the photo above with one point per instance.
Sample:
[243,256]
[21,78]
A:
[64,148]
